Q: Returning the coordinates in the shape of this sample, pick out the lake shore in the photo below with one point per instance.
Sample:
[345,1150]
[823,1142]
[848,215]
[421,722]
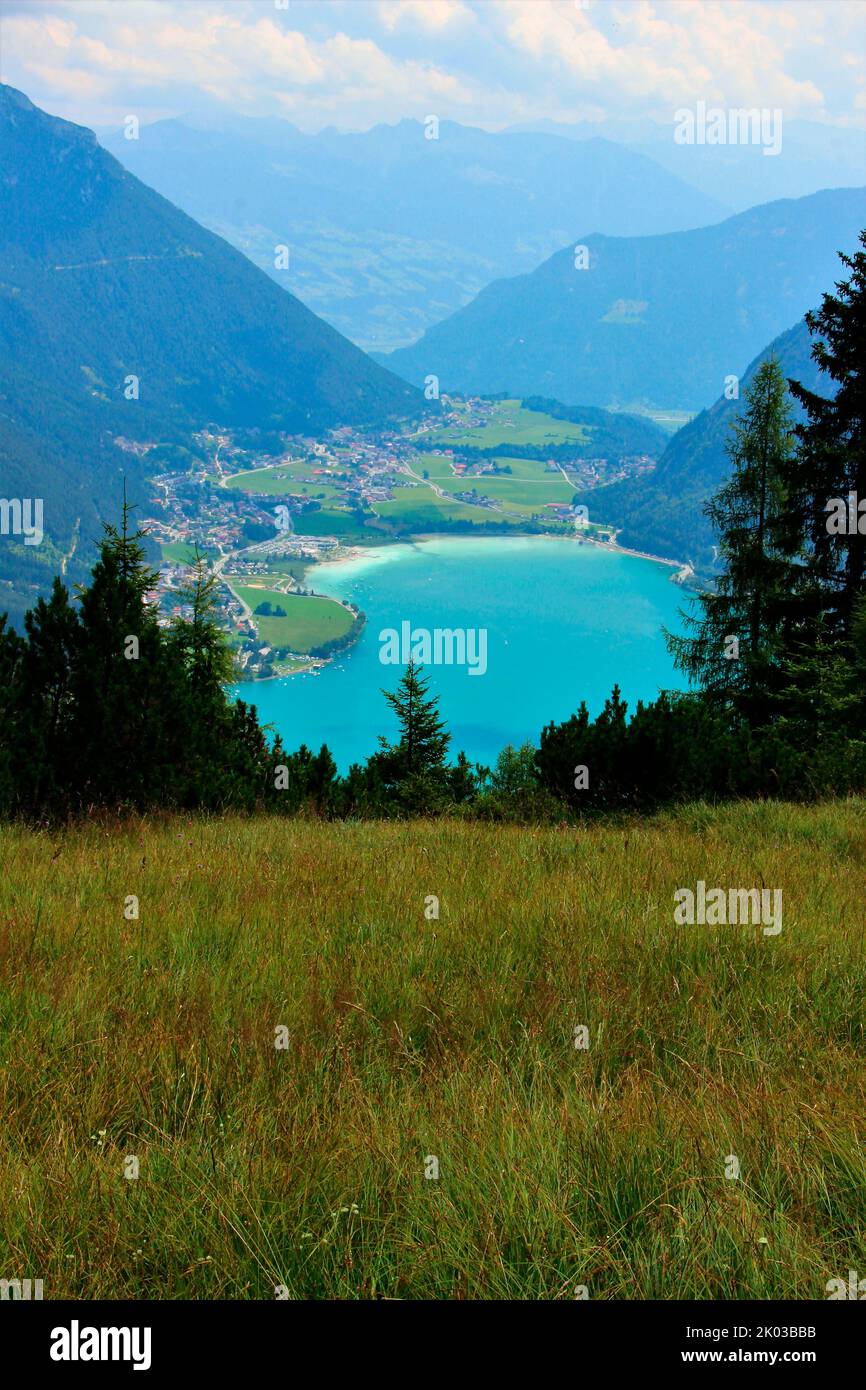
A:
[353,553]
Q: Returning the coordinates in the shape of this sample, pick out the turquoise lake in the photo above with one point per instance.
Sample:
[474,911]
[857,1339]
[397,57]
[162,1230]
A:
[564,623]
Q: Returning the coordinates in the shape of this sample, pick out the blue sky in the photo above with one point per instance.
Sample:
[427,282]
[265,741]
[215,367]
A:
[353,63]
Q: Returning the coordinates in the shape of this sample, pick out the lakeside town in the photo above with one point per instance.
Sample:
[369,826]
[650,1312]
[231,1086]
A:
[265,510]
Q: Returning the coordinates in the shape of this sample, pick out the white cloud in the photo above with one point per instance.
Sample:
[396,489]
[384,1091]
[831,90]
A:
[487,62]
[666,53]
[432,15]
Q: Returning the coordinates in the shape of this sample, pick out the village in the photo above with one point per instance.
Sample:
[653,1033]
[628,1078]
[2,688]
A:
[263,511]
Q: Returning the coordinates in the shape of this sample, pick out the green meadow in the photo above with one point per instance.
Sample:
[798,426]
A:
[511,424]
[528,488]
[330,521]
[310,619]
[419,507]
[330,1090]
[280,567]
[182,553]
[436,466]
[279,480]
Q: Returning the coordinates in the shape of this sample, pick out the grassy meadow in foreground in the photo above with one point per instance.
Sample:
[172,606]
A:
[412,1038]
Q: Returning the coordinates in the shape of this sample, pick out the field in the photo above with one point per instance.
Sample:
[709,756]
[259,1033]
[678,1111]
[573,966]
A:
[420,507]
[330,521]
[511,424]
[182,553]
[528,490]
[280,480]
[518,496]
[525,490]
[309,621]
[436,466]
[418,1044]
[281,567]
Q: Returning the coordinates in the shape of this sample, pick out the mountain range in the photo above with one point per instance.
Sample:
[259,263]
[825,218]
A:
[120,317]
[390,231]
[652,322]
[811,155]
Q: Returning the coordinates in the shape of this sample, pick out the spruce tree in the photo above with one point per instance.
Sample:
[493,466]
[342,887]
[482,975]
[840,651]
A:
[414,767]
[47,724]
[100,707]
[12,742]
[831,459]
[423,741]
[200,664]
[734,648]
[121,679]
[198,640]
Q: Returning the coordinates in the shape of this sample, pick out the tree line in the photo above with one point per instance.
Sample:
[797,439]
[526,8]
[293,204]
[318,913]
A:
[103,706]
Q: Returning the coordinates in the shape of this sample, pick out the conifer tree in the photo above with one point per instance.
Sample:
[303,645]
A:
[120,682]
[46,724]
[198,640]
[100,707]
[200,664]
[11,744]
[423,741]
[831,461]
[414,767]
[735,646]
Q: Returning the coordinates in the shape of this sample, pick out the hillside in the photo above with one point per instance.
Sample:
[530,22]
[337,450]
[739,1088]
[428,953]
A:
[654,321]
[286,1054]
[102,280]
[662,512]
[391,232]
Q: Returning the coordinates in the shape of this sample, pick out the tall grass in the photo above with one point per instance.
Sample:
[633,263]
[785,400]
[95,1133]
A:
[412,1038]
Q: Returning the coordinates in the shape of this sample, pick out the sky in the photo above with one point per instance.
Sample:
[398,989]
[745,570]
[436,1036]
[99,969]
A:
[491,63]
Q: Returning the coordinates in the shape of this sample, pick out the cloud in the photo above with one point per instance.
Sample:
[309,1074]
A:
[432,15]
[662,54]
[485,62]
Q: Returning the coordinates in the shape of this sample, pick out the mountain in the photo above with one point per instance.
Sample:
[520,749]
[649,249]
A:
[103,280]
[662,512]
[653,322]
[811,156]
[389,231]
